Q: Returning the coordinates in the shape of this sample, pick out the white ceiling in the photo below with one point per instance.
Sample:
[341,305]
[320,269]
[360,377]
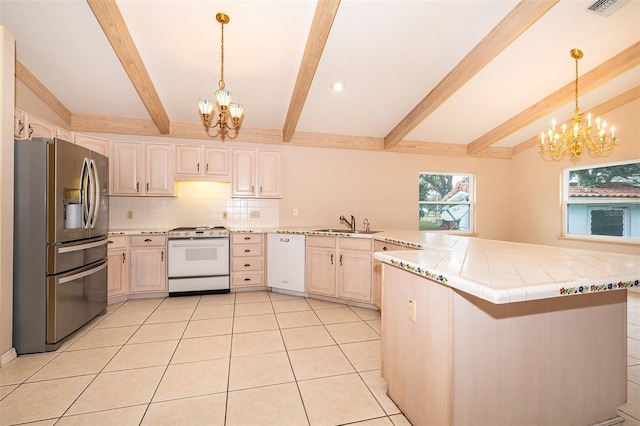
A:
[389,53]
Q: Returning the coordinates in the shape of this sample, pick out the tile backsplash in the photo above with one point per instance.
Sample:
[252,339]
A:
[196,204]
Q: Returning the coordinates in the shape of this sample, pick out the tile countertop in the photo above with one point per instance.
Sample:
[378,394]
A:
[505,272]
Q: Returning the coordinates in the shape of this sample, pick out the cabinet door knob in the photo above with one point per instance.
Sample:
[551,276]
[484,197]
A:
[384,248]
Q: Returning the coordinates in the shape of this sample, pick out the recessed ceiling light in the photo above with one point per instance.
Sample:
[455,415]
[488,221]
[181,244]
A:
[337,86]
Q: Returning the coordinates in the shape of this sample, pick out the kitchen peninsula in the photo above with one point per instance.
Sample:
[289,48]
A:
[490,332]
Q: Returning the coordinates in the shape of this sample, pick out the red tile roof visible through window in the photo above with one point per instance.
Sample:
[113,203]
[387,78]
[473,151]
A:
[613,189]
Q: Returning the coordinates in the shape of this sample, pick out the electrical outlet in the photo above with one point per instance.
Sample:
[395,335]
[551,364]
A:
[411,309]
[225,215]
[255,214]
[295,212]
[130,214]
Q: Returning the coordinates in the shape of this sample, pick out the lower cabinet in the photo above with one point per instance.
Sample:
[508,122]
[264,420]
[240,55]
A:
[339,267]
[148,264]
[117,266]
[247,260]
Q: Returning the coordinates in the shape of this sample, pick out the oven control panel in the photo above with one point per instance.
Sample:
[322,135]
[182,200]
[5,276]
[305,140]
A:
[203,232]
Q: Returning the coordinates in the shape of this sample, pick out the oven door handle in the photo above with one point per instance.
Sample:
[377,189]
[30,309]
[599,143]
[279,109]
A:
[194,244]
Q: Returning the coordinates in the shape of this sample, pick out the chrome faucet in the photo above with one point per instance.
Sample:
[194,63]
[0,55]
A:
[351,224]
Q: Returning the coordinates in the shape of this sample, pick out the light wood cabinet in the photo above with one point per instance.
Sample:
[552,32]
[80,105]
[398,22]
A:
[117,267]
[19,124]
[64,134]
[247,260]
[256,173]
[199,162]
[148,264]
[99,145]
[339,267]
[142,169]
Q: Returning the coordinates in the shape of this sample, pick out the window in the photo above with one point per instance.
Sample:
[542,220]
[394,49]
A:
[603,202]
[445,202]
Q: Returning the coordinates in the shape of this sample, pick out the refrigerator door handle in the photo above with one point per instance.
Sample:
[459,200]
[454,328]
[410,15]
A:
[85,182]
[82,274]
[95,200]
[79,247]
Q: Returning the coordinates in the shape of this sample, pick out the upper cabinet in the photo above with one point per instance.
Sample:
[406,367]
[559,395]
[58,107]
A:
[142,169]
[93,143]
[27,126]
[256,173]
[202,163]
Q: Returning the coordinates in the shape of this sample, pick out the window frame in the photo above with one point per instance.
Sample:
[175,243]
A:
[594,204]
[471,203]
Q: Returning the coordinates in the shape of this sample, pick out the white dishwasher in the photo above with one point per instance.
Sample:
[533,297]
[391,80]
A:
[285,261]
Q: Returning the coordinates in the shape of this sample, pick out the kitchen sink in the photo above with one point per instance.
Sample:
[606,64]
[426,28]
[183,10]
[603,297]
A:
[347,231]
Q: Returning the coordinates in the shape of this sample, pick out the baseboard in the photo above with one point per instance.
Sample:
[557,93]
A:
[8,356]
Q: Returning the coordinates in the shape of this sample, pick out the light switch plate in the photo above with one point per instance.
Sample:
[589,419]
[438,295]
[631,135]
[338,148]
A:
[411,309]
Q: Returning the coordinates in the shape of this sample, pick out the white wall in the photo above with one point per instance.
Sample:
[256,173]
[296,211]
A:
[7,71]
[536,189]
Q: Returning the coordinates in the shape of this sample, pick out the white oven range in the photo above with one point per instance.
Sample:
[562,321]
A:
[198,260]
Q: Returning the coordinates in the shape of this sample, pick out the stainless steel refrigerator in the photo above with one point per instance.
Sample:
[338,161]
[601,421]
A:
[60,241]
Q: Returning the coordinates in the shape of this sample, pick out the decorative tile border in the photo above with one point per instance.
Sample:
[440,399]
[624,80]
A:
[595,288]
[420,271]
[403,243]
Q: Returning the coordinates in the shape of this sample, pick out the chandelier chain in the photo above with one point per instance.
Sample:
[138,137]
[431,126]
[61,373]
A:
[221,82]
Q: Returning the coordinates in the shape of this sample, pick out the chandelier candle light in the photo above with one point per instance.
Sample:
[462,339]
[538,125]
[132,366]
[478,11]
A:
[575,140]
[223,96]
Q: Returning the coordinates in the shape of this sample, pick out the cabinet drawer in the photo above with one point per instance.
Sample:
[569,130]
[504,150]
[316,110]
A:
[247,265]
[384,246]
[362,244]
[239,280]
[246,238]
[321,242]
[116,242]
[243,251]
[147,241]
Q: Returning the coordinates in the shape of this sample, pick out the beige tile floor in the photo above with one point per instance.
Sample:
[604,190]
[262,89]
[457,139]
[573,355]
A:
[238,359]
[253,358]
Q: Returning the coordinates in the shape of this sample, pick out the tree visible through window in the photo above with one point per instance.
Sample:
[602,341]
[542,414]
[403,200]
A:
[603,201]
[445,202]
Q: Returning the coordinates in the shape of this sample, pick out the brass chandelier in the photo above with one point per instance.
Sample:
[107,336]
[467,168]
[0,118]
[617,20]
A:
[554,145]
[223,96]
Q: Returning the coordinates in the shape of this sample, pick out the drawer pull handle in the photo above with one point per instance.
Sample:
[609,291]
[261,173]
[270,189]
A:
[247,251]
[332,258]
[147,240]
[162,256]
[124,256]
[247,238]
[247,279]
[198,167]
[147,186]
[384,248]
[109,242]
[246,265]
[340,260]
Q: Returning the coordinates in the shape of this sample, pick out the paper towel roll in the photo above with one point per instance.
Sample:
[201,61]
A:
[73,219]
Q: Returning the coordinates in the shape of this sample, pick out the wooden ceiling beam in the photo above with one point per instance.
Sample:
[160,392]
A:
[603,108]
[321,26]
[114,27]
[24,75]
[623,61]
[525,14]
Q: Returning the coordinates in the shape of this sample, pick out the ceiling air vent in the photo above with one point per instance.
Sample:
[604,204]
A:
[606,7]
